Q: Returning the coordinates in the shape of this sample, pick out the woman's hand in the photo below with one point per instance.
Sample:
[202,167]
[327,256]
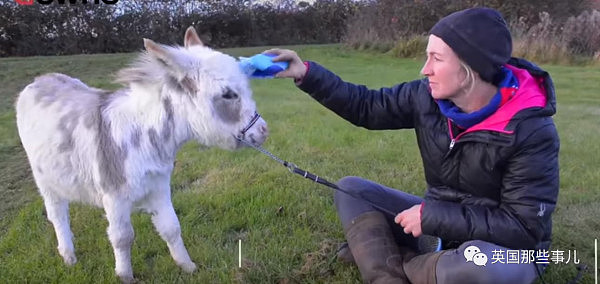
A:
[296,68]
[410,220]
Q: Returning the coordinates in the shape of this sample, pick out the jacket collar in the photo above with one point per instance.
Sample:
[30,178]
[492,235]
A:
[534,97]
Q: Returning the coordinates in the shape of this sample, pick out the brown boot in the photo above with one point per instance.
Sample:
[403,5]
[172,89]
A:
[426,244]
[375,250]
[344,254]
[421,268]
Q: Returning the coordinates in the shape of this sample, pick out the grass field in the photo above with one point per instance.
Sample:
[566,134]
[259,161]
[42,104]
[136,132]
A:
[287,225]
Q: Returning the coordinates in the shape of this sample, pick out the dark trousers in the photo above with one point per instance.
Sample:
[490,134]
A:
[452,266]
[365,193]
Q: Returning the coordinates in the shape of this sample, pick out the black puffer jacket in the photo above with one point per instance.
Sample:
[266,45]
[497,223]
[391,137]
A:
[496,181]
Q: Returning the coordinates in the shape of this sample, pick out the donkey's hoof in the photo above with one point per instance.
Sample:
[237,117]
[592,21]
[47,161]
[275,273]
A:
[69,258]
[188,267]
[126,279]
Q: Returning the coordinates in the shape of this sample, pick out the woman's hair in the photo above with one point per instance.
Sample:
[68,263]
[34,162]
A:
[470,77]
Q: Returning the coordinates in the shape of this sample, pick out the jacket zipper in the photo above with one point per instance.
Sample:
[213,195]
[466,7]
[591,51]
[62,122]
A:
[452,138]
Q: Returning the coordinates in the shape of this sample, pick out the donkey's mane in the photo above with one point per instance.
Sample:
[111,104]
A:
[144,69]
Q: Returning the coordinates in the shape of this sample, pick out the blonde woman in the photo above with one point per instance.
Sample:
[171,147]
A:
[490,153]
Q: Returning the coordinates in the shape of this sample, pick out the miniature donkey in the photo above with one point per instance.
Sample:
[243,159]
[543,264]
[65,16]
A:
[116,149]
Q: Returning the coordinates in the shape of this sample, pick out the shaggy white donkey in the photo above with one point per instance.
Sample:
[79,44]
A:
[116,149]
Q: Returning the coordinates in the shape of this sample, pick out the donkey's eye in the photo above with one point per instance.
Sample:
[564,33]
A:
[230,95]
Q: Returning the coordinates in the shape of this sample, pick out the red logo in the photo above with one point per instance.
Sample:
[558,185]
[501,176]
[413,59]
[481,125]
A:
[24,2]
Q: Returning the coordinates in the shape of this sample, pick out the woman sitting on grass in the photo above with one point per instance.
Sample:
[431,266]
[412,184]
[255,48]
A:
[490,153]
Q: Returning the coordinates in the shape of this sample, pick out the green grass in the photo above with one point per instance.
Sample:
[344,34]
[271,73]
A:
[288,225]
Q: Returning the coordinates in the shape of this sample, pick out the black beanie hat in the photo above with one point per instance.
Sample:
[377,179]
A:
[480,37]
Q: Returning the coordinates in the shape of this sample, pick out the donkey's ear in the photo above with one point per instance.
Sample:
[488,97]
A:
[191,38]
[155,49]
[166,56]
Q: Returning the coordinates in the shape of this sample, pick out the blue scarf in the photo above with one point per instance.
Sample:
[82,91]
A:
[466,120]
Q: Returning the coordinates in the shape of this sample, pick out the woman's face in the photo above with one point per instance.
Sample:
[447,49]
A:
[446,75]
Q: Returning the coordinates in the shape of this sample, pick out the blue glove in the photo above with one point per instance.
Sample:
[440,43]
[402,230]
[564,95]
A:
[261,66]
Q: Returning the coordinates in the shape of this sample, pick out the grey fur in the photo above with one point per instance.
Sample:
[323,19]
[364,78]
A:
[66,126]
[45,97]
[227,110]
[173,84]
[53,88]
[185,86]
[91,120]
[111,157]
[156,143]
[127,237]
[136,137]
[169,122]
[188,85]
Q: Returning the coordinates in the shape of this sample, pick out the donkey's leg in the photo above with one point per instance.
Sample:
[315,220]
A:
[57,210]
[167,225]
[120,233]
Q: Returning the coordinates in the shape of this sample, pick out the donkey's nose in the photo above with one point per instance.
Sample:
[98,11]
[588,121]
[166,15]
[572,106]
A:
[257,139]
[264,130]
